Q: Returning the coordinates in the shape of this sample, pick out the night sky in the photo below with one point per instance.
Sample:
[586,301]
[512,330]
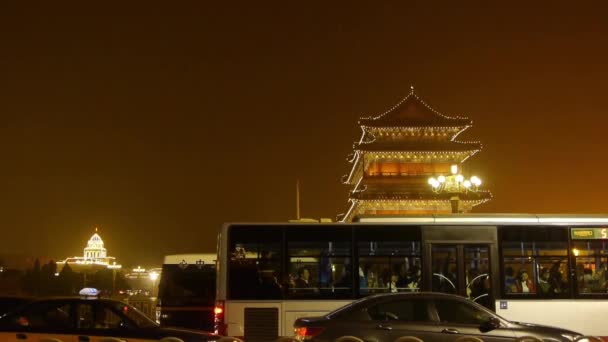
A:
[158,123]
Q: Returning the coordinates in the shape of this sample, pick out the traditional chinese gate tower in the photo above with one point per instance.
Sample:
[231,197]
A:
[397,153]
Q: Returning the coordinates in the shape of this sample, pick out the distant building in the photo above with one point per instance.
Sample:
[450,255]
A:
[95,257]
[397,153]
[143,281]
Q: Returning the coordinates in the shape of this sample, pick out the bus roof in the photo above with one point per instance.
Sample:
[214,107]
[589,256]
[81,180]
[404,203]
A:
[549,219]
[461,219]
[207,258]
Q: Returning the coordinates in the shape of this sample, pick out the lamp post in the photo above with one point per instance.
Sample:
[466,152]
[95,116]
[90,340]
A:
[454,184]
[114,267]
[153,276]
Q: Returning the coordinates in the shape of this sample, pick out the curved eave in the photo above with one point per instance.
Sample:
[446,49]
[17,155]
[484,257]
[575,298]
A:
[440,122]
[413,111]
[451,146]
[421,154]
[465,197]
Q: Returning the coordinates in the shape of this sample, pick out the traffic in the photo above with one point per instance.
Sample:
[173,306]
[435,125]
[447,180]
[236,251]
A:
[425,279]
[89,319]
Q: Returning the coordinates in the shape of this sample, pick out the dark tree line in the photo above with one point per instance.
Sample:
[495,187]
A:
[44,280]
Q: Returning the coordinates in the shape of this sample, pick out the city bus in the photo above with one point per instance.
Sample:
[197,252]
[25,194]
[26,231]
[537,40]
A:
[545,269]
[186,293]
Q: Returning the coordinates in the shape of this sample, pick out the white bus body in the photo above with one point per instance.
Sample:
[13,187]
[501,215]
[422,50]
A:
[574,310]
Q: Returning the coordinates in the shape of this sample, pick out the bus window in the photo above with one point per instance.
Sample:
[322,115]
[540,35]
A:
[255,263]
[591,266]
[535,261]
[389,260]
[319,263]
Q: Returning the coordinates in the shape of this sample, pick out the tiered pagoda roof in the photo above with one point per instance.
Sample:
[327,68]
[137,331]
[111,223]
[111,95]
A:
[384,174]
[413,112]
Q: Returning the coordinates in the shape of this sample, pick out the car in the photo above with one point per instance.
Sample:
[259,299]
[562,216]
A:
[8,304]
[425,316]
[86,319]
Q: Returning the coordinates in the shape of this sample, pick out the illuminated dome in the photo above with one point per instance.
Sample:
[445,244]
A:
[94,248]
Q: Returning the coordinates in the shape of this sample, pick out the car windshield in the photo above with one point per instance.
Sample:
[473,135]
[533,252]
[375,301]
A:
[136,317]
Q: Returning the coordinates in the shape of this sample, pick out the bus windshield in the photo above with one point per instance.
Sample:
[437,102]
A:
[187,285]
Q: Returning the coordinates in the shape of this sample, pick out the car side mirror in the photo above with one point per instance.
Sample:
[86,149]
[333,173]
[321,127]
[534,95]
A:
[489,325]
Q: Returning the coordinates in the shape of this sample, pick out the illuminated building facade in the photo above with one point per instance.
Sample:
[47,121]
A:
[397,153]
[94,256]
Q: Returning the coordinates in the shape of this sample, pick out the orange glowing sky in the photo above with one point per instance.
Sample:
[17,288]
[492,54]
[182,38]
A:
[158,123]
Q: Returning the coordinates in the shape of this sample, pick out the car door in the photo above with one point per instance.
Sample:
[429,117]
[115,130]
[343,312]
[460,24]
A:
[43,321]
[395,318]
[98,322]
[462,318]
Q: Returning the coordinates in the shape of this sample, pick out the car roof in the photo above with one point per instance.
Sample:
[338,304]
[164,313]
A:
[382,297]
[74,299]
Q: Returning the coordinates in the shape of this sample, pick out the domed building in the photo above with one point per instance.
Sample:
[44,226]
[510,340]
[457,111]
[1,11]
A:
[95,256]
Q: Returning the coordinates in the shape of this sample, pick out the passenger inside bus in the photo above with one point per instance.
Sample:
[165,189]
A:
[392,284]
[510,280]
[303,280]
[544,283]
[524,284]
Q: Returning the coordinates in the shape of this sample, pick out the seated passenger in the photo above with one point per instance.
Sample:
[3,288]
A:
[510,280]
[544,283]
[524,284]
[413,279]
[392,284]
[303,280]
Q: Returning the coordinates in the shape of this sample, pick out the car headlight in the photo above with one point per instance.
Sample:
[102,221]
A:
[571,337]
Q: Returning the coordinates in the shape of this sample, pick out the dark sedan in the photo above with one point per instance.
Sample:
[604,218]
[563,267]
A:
[427,316]
[11,303]
[88,320]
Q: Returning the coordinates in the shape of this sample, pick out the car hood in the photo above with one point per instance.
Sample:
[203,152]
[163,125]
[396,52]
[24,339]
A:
[547,329]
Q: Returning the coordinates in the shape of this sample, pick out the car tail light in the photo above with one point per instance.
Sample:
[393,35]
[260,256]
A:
[218,318]
[306,333]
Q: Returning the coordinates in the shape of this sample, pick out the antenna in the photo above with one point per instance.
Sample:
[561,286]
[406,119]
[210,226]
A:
[297,199]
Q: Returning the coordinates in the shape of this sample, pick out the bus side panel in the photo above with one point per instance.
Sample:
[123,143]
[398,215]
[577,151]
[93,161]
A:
[292,310]
[584,316]
[235,315]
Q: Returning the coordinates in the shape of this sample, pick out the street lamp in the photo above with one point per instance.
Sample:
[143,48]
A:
[114,267]
[153,276]
[454,184]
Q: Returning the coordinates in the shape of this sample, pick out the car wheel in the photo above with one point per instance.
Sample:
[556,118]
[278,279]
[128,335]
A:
[408,339]
[348,339]
[468,339]
[50,340]
[111,339]
[229,339]
[528,339]
[170,339]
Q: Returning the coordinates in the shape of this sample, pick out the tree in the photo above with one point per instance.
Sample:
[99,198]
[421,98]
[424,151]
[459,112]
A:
[67,281]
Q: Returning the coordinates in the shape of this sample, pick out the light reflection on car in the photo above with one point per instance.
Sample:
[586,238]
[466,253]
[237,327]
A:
[426,316]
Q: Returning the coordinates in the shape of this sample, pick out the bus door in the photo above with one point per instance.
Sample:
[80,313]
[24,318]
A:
[463,270]
[462,267]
